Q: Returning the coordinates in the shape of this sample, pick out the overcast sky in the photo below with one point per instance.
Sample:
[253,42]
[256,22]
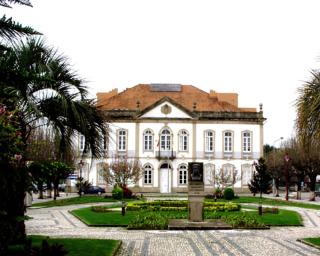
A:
[262,50]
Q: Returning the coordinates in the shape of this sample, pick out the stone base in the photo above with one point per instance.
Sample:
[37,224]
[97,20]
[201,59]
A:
[183,224]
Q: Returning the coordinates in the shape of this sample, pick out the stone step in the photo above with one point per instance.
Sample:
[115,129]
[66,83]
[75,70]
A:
[184,224]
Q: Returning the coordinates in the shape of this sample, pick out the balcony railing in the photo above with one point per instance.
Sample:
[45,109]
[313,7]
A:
[166,154]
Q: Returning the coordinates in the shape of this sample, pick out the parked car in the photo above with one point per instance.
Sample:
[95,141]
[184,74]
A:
[95,190]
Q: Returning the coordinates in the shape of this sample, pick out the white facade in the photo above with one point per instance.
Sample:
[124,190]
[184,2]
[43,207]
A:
[166,137]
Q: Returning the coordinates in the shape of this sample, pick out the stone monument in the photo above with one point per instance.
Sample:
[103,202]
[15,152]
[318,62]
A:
[195,191]
[196,204]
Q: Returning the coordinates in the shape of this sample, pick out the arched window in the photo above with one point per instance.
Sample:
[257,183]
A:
[228,139]
[246,141]
[183,174]
[147,179]
[209,173]
[165,139]
[122,140]
[183,140]
[208,141]
[148,140]
[246,174]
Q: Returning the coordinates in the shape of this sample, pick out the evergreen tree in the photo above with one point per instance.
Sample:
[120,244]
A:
[260,181]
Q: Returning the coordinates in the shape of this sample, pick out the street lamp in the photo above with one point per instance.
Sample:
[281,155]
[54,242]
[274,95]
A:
[275,189]
[286,166]
[81,163]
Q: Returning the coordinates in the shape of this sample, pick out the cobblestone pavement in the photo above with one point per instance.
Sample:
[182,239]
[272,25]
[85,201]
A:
[58,222]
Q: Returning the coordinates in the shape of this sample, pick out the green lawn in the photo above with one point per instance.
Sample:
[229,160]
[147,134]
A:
[112,218]
[75,246]
[269,201]
[315,241]
[76,200]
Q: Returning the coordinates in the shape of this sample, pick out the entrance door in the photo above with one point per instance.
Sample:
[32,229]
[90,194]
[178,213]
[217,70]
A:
[165,179]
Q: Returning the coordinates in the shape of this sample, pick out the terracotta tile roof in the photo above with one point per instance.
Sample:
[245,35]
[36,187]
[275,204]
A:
[186,97]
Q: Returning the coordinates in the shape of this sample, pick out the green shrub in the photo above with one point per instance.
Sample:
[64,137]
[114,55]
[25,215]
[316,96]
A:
[181,206]
[228,194]
[149,220]
[242,220]
[117,193]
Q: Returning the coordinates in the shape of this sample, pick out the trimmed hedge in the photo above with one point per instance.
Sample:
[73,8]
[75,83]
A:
[181,206]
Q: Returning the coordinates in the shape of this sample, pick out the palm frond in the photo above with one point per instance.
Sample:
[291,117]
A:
[10,29]
[7,3]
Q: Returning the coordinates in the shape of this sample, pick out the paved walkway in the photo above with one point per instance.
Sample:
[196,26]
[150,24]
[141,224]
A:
[58,222]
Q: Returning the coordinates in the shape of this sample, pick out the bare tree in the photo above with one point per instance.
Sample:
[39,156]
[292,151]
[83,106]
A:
[121,171]
[225,179]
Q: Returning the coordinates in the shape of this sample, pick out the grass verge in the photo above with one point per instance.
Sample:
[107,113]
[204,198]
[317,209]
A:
[314,241]
[269,201]
[74,246]
[111,218]
[77,200]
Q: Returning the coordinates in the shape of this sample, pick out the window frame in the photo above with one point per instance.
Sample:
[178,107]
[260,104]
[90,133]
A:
[245,144]
[122,140]
[229,141]
[148,133]
[183,140]
[167,142]
[207,142]
[149,175]
[182,175]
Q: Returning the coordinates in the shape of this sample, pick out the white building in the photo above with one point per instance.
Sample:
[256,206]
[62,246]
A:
[166,126]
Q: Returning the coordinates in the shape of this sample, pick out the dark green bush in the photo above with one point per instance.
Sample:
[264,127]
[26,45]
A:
[242,220]
[228,194]
[117,193]
[149,220]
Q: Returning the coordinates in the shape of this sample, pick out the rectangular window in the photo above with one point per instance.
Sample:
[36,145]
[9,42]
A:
[148,142]
[208,141]
[122,140]
[246,144]
[227,142]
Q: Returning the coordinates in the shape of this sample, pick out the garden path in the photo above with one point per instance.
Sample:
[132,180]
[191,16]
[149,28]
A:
[58,222]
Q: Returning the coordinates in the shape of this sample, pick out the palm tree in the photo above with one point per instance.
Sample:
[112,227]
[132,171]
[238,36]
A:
[38,85]
[308,126]
[308,110]
[10,29]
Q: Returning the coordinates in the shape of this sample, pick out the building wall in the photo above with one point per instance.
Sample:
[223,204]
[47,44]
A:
[195,151]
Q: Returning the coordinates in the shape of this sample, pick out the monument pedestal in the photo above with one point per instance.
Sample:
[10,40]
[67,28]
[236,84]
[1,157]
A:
[196,201]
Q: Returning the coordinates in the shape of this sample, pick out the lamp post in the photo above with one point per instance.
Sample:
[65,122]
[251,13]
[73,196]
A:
[81,163]
[275,189]
[286,169]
